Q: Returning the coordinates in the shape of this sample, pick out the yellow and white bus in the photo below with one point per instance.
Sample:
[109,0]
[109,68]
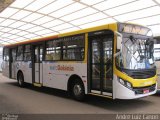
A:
[113,60]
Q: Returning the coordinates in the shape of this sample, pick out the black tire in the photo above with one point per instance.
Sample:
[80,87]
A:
[20,79]
[77,90]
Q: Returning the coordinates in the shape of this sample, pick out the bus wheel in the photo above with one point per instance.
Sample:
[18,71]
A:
[78,90]
[20,79]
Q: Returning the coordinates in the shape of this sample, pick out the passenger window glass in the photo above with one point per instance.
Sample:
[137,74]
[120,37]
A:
[73,48]
[14,54]
[53,50]
[36,53]
[41,53]
[27,53]
[20,53]
[6,54]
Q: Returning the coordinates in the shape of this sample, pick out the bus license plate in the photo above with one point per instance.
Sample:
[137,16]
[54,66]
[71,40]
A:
[145,91]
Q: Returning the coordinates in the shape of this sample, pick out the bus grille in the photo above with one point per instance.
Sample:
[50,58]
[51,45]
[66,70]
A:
[140,90]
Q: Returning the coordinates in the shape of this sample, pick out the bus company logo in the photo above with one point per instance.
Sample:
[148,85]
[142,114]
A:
[65,68]
[62,68]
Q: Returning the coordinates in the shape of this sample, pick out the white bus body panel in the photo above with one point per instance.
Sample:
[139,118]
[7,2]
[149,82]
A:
[122,92]
[56,78]
[5,68]
[25,67]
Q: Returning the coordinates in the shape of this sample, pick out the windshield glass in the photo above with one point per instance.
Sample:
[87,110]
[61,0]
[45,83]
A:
[136,53]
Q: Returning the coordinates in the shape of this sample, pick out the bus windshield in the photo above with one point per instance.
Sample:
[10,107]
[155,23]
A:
[136,53]
[136,48]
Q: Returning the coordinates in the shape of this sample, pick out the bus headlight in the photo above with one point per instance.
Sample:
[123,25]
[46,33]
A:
[125,83]
[122,81]
[128,85]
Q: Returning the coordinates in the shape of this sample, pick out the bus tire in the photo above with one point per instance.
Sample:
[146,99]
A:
[20,79]
[77,90]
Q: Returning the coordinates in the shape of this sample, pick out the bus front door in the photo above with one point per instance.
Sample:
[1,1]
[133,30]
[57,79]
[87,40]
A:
[37,64]
[101,68]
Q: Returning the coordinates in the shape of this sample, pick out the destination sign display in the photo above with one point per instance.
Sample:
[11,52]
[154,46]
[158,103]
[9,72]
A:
[135,29]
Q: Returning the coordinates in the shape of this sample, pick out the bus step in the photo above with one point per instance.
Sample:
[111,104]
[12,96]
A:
[105,96]
[37,84]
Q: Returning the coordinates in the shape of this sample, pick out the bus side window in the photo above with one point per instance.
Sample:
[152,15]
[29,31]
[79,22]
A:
[27,53]
[6,54]
[13,55]
[20,53]
[48,56]
[53,50]
[36,55]
[73,48]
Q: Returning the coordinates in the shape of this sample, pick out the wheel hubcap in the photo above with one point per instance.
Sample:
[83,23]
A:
[77,90]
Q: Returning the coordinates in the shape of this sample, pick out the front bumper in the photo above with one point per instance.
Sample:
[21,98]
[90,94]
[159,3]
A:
[122,92]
